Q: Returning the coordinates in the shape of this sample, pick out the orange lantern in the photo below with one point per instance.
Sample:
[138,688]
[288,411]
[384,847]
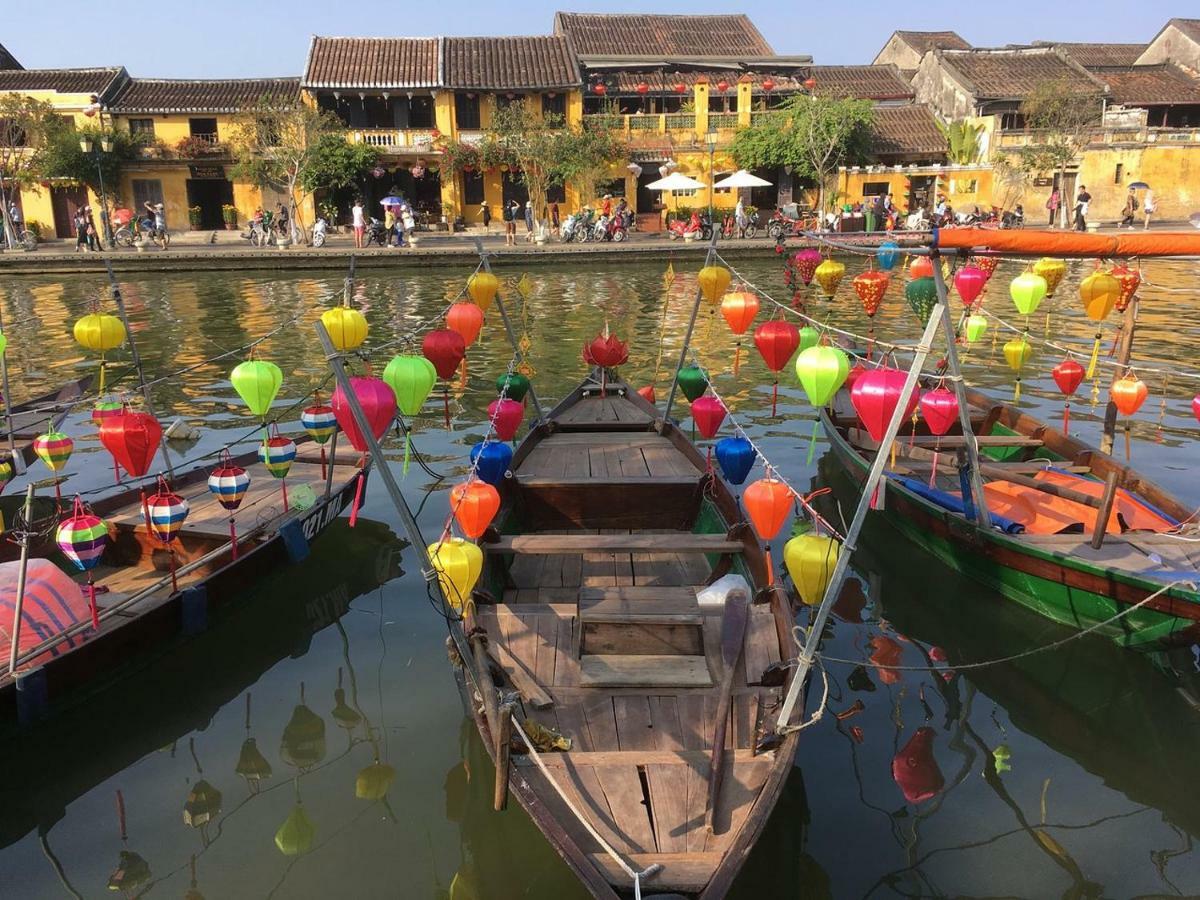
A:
[768,502]
[739,309]
[474,504]
[920,267]
[1128,394]
[1130,280]
[870,287]
[466,319]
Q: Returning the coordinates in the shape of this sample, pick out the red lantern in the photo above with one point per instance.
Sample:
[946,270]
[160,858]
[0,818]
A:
[642,88]
[466,319]
[506,415]
[599,89]
[1130,280]
[768,84]
[378,402]
[1196,407]
[606,351]
[921,267]
[876,395]
[680,88]
[445,349]
[132,439]
[474,505]
[708,413]
[647,394]
[969,281]
[810,84]
[939,409]
[1068,375]
[870,287]
[856,373]
[915,770]
[722,85]
[776,340]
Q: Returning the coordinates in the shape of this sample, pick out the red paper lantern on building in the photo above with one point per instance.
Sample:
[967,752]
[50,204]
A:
[132,439]
[722,85]
[378,402]
[776,341]
[599,89]
[768,84]
[506,415]
[642,88]
[876,395]
[474,505]
[810,84]
[680,88]
[708,413]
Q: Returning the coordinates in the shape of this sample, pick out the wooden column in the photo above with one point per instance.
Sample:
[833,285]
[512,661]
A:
[1123,355]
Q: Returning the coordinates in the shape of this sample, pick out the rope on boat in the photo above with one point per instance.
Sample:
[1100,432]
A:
[633,873]
[797,630]
[819,713]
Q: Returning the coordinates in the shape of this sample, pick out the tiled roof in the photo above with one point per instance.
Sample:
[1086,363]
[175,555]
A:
[906,131]
[155,95]
[1150,85]
[1014,74]
[497,63]
[65,81]
[863,82]
[352,62]
[1093,55]
[631,35]
[7,60]
[924,41]
[624,81]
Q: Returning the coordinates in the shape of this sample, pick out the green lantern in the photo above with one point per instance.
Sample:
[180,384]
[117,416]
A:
[295,835]
[921,294]
[1027,291]
[809,337]
[513,385]
[303,744]
[374,781]
[822,372]
[257,383]
[411,379]
[693,381]
[3,343]
[976,326]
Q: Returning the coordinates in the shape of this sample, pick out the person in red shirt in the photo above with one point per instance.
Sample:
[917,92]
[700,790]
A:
[606,206]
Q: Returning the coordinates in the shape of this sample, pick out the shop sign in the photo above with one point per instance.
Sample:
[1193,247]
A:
[208,173]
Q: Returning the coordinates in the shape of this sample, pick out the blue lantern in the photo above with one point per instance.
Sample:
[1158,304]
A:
[886,255]
[491,459]
[735,456]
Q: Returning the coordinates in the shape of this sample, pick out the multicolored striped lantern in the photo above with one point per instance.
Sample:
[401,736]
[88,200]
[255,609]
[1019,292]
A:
[54,449]
[82,539]
[321,424]
[229,483]
[165,515]
[277,454]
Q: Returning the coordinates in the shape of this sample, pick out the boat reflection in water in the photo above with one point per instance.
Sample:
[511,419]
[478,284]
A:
[177,690]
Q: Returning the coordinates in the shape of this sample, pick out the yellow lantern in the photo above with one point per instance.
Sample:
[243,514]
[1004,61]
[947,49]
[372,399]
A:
[714,282]
[829,275]
[1099,293]
[374,781]
[347,327]
[1052,270]
[458,564]
[810,559]
[295,835]
[1017,352]
[482,286]
[99,332]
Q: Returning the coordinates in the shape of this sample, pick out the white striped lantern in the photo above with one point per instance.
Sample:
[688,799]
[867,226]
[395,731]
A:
[229,483]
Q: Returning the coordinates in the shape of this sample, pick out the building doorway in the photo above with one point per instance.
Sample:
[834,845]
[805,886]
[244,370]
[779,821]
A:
[921,194]
[210,195]
[648,200]
[66,201]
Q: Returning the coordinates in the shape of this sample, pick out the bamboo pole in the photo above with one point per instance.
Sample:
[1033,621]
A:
[838,578]
[1124,353]
[687,338]
[503,757]
[20,602]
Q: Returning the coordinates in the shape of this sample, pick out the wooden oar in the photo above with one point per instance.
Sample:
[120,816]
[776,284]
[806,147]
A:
[733,634]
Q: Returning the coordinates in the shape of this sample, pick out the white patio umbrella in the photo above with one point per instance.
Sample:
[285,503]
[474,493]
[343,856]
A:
[676,181]
[741,179]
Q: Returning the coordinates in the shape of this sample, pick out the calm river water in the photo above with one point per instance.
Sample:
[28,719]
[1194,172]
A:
[1090,754]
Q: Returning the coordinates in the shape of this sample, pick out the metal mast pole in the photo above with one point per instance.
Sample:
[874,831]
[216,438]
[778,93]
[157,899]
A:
[687,338]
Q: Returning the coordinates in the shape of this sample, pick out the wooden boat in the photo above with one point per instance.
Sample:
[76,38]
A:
[42,414]
[1045,492]
[588,599]
[137,601]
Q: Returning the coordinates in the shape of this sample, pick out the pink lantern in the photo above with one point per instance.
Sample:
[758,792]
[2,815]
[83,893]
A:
[969,281]
[939,409]
[506,415]
[378,402]
[915,769]
[876,395]
[1196,407]
[708,413]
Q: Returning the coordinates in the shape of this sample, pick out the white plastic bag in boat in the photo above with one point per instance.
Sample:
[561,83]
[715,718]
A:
[714,596]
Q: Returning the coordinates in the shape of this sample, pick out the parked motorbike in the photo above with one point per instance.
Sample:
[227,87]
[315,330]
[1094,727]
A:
[375,234]
[569,228]
[729,227]
[697,226]
[318,232]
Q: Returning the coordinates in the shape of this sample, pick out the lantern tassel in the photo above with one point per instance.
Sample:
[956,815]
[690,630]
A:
[446,403]
[1066,416]
[232,538]
[358,492]
[770,568]
[812,442]
[1017,390]
[1091,369]
[1128,443]
[57,492]
[174,583]
[933,473]
[323,463]
[774,396]
[116,471]
[407,452]
[283,489]
[145,510]
[101,373]
[92,603]
[737,356]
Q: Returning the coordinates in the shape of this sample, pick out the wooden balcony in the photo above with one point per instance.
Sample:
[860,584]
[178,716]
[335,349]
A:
[395,140]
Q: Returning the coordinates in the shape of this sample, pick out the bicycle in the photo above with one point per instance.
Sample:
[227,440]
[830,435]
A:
[26,239]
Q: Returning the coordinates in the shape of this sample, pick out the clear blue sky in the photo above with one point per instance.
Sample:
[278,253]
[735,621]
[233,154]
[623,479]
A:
[223,38]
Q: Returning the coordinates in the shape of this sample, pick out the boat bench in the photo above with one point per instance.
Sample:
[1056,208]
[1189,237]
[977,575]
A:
[549,544]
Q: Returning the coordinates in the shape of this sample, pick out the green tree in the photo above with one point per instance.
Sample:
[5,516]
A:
[811,134]
[1061,120]
[585,158]
[64,158]
[26,125]
[964,141]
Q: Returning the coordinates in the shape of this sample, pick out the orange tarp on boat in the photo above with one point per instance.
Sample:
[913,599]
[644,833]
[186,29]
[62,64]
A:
[1043,513]
[52,604]
[1070,243]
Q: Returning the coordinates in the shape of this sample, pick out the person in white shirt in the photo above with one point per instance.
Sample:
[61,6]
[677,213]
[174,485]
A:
[357,221]
[1149,205]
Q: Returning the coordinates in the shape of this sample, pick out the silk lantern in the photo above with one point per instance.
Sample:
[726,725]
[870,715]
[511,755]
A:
[776,341]
[277,454]
[822,370]
[809,337]
[295,836]
[1099,293]
[378,403]
[915,770]
[506,415]
[969,282]
[922,297]
[166,514]
[1017,352]
[458,564]
[1052,270]
[482,288]
[474,505]
[411,379]
[1027,291]
[1128,394]
[986,263]
[228,483]
[257,383]
[810,560]
[446,350]
[939,409]
[975,327]
[347,327]
[82,538]
[99,333]
[647,394]
[1196,407]
[920,267]
[374,781]
[739,309]
[491,460]
[1130,280]
[320,424]
[132,438]
[887,254]
[768,503]
[875,397]
[693,381]
[1068,375]
[714,282]
[606,351]
[708,412]
[805,262]
[466,319]
[735,456]
[54,449]
[870,287]
[513,385]
[828,275]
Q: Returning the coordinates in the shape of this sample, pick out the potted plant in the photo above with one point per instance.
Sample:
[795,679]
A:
[230,214]
[194,214]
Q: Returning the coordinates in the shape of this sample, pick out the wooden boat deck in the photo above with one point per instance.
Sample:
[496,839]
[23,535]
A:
[600,631]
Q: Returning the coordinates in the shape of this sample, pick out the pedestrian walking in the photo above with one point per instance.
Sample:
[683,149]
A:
[93,236]
[510,223]
[485,212]
[1149,207]
[1129,211]
[529,220]
[358,222]
[80,223]
[1081,208]
[407,223]
[1052,205]
[554,218]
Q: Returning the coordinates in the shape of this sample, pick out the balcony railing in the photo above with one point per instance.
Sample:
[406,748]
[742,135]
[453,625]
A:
[717,121]
[680,121]
[1104,136]
[641,123]
[205,138]
[394,138]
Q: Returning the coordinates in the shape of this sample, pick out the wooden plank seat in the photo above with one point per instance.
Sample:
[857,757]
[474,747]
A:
[549,544]
[670,670]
